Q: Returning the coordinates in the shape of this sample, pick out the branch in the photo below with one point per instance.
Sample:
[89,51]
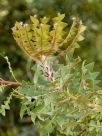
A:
[9,83]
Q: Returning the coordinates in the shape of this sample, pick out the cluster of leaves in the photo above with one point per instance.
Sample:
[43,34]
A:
[68,105]
[64,98]
[40,38]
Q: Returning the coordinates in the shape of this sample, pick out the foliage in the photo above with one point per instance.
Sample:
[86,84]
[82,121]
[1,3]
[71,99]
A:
[84,9]
[6,106]
[64,98]
[20,10]
[37,39]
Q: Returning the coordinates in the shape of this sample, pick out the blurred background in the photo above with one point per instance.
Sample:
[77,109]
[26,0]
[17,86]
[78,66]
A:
[89,11]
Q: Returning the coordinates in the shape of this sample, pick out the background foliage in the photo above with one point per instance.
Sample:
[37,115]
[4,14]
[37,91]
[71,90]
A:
[87,10]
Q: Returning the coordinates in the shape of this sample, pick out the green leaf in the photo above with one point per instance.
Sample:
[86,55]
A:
[80,38]
[33,117]
[59,18]
[27,90]
[36,75]
[6,106]
[23,110]
[64,97]
[44,20]
[34,20]
[90,66]
[82,28]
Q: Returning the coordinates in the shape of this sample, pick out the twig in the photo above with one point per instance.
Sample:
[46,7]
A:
[9,83]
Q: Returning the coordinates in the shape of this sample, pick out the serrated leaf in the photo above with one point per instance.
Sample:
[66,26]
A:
[37,39]
[66,103]
[6,106]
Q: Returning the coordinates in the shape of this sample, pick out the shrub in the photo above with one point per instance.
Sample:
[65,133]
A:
[64,97]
